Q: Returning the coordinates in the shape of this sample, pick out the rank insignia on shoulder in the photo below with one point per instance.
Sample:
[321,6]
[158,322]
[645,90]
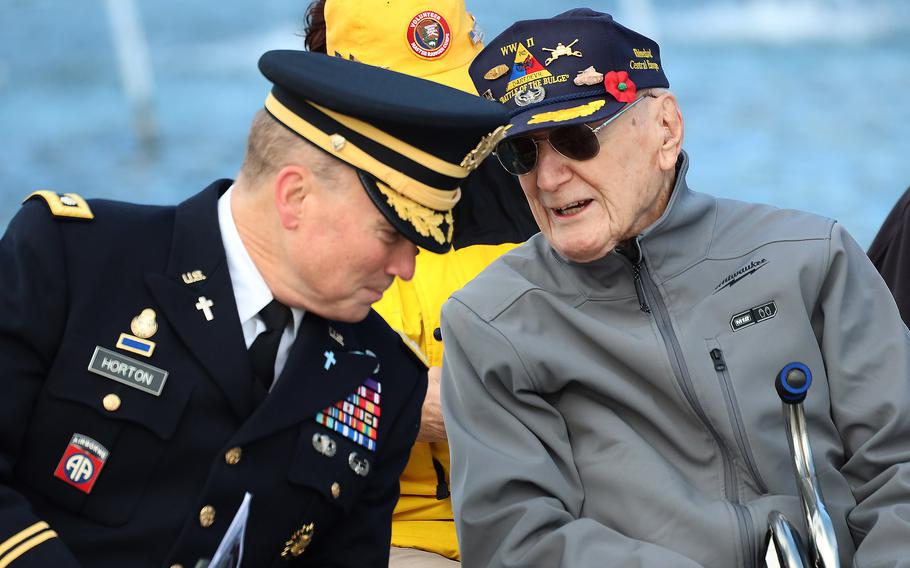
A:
[81,462]
[299,541]
[69,205]
[357,416]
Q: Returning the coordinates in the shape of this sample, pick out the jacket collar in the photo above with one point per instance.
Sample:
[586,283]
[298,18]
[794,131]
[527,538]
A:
[679,238]
[197,249]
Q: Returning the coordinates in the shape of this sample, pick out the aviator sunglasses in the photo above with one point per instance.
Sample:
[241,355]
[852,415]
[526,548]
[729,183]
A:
[578,142]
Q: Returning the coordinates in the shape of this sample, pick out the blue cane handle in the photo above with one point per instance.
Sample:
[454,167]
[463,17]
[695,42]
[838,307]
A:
[793,382]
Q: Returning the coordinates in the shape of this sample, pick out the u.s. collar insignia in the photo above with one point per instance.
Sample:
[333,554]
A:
[192,277]
[81,463]
[484,147]
[299,541]
[428,35]
[561,50]
[333,333]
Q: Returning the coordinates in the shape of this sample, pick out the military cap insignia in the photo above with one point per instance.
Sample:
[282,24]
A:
[299,541]
[69,205]
[530,95]
[496,72]
[193,277]
[484,148]
[357,416]
[525,69]
[589,76]
[561,50]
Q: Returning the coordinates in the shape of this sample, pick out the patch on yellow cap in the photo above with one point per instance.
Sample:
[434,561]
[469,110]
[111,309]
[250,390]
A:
[568,113]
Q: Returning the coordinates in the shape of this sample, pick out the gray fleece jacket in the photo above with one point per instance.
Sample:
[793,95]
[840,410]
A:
[622,412]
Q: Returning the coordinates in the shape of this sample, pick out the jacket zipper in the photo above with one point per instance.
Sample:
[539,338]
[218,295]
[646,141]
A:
[739,429]
[650,301]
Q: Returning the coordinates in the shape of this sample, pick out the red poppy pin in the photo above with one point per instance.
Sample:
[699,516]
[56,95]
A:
[618,84]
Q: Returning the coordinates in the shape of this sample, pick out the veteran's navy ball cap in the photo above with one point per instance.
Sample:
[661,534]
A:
[411,141]
[579,66]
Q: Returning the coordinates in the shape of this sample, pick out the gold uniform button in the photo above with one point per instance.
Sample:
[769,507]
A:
[111,402]
[232,456]
[336,490]
[207,516]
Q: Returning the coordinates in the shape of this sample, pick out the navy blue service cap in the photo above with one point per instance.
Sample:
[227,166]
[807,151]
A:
[579,66]
[411,141]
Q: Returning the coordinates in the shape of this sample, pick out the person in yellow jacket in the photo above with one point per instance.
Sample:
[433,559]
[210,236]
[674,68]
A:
[435,40]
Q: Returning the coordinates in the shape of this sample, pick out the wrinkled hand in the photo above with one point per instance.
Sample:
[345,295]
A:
[432,427]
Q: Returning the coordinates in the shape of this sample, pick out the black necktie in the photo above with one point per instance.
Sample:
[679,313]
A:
[265,347]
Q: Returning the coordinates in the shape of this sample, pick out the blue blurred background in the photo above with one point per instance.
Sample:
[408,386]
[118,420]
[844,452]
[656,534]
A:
[799,103]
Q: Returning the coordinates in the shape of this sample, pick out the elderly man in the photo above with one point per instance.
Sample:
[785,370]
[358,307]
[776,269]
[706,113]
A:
[160,362]
[608,387]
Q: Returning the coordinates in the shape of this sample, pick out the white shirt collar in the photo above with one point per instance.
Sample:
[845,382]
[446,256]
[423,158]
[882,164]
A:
[251,293]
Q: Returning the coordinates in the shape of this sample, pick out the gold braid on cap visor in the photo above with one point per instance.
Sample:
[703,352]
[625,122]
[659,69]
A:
[422,194]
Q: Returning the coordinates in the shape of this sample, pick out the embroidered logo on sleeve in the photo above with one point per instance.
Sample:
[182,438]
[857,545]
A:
[357,416]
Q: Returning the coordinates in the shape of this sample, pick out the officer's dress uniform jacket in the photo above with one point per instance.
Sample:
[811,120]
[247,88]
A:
[623,413]
[69,286]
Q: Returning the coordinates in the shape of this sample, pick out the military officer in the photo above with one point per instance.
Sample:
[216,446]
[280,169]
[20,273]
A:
[159,363]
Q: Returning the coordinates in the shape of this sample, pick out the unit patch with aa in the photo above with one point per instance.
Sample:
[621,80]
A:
[753,316]
[357,416]
[81,462]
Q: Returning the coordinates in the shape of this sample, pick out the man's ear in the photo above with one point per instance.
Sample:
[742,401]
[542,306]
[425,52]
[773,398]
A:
[671,125]
[292,185]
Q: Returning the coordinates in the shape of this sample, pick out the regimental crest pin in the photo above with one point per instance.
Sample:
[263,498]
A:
[299,541]
[81,463]
[143,326]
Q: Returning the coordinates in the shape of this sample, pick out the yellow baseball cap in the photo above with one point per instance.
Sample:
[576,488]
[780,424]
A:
[433,40]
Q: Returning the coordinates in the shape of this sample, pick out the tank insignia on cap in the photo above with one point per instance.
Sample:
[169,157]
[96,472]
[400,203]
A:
[561,50]
[428,35]
[589,76]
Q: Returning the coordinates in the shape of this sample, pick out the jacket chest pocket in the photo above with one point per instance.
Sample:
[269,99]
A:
[93,444]
[331,466]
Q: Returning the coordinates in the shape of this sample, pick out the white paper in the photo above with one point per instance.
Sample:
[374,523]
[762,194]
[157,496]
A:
[230,552]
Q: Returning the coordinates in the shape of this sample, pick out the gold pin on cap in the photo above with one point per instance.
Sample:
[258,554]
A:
[496,72]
